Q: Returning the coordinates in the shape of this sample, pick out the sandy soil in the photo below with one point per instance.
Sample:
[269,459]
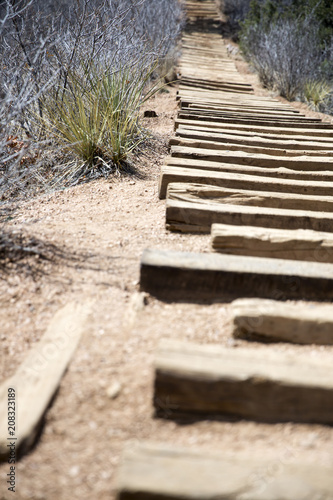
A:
[104,227]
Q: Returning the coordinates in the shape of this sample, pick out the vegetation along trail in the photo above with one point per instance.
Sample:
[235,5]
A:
[177,316]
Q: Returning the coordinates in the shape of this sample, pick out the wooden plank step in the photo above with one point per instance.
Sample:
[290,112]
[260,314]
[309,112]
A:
[255,141]
[302,162]
[229,146]
[203,83]
[203,193]
[188,216]
[223,84]
[159,471]
[248,99]
[274,321]
[222,78]
[240,181]
[38,377]
[279,173]
[244,113]
[239,106]
[244,382]
[242,110]
[280,131]
[299,244]
[272,121]
[263,134]
[221,98]
[212,277]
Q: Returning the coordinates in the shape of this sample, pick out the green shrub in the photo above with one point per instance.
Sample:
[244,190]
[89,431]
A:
[97,117]
[317,93]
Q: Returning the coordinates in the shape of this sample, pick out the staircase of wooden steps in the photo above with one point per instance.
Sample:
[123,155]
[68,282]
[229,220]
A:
[257,175]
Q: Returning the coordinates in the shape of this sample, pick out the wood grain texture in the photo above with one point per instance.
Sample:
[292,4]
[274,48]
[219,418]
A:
[211,277]
[242,382]
[299,244]
[272,320]
[203,215]
[240,181]
[38,377]
[157,471]
[202,193]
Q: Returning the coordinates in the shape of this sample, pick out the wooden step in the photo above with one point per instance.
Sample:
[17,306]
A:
[274,321]
[299,244]
[260,160]
[279,173]
[213,277]
[227,146]
[240,181]
[254,141]
[160,471]
[280,131]
[244,382]
[241,107]
[191,217]
[249,114]
[267,121]
[202,193]
[262,134]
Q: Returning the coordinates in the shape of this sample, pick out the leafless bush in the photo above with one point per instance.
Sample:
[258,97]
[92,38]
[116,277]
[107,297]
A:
[50,45]
[286,55]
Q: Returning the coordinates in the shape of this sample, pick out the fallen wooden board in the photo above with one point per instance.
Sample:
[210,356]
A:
[202,193]
[309,132]
[271,320]
[240,181]
[229,146]
[254,141]
[38,377]
[159,471]
[244,382]
[213,277]
[195,217]
[300,244]
[259,160]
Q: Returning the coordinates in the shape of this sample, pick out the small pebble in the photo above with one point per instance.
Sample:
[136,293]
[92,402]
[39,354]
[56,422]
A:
[114,390]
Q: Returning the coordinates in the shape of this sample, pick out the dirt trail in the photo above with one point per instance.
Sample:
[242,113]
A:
[105,398]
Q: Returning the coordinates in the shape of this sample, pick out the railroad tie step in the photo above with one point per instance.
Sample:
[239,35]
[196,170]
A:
[213,277]
[246,148]
[299,244]
[301,162]
[232,168]
[221,175]
[194,380]
[274,321]
[192,217]
[205,194]
[268,129]
[157,470]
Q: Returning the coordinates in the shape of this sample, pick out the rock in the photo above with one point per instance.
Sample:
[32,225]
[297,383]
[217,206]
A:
[114,390]
[150,113]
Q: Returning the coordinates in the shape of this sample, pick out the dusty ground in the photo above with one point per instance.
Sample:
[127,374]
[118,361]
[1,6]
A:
[104,227]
